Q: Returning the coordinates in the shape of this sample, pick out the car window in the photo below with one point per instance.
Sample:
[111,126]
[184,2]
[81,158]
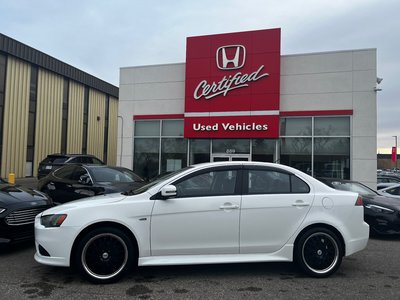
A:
[96,161]
[74,160]
[58,160]
[215,183]
[64,172]
[268,182]
[298,186]
[394,191]
[113,175]
[78,172]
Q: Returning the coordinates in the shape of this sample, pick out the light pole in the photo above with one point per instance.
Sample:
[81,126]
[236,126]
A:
[395,144]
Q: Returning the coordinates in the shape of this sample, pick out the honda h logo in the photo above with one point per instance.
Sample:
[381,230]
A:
[231,57]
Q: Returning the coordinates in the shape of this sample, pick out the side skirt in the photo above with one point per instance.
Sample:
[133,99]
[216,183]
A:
[285,254]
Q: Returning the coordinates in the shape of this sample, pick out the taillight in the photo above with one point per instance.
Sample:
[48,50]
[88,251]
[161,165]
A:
[359,201]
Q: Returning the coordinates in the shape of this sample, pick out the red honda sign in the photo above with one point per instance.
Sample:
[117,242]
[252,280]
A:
[232,85]
[394,154]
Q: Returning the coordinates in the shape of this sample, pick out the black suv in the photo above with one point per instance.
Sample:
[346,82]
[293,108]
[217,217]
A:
[54,161]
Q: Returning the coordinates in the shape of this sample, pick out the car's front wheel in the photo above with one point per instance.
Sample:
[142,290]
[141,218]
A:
[104,255]
[319,252]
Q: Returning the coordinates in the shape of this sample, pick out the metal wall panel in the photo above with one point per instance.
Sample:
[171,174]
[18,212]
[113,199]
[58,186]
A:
[112,131]
[15,118]
[97,106]
[75,117]
[48,115]
[45,61]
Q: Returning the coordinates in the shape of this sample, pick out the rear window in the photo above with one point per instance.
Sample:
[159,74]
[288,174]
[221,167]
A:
[55,160]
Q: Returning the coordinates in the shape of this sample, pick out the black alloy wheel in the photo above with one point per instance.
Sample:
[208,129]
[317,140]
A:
[104,255]
[319,252]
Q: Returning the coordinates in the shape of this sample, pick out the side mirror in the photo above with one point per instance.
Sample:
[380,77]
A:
[84,179]
[168,191]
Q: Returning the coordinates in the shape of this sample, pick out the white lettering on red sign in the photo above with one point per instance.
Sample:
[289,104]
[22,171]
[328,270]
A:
[226,84]
[231,127]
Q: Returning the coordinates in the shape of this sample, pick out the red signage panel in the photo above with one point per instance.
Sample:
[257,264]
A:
[394,154]
[234,77]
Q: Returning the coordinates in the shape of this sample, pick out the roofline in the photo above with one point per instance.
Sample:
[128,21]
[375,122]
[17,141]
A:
[17,49]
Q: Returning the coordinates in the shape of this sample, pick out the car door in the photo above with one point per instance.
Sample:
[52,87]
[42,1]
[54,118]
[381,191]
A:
[202,219]
[59,184]
[274,204]
[82,184]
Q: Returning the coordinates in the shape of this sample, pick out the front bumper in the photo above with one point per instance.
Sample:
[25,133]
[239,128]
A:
[53,245]
[383,223]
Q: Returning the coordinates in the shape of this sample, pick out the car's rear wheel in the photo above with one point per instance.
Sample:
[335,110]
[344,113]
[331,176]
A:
[319,252]
[104,255]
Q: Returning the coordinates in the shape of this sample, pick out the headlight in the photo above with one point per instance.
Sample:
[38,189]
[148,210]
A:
[53,220]
[2,210]
[379,209]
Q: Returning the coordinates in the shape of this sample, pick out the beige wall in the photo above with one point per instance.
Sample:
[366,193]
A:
[75,117]
[15,126]
[48,116]
[48,121]
[97,107]
[112,132]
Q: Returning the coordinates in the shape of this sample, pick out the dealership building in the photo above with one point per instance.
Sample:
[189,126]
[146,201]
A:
[48,106]
[237,98]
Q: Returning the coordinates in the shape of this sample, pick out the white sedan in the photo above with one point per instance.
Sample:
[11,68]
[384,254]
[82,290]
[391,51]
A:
[204,214]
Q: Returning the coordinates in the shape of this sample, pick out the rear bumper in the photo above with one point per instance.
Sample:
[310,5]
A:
[354,245]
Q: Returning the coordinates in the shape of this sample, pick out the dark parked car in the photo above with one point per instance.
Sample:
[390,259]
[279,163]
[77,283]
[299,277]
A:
[54,161]
[380,212]
[385,181]
[18,209]
[72,182]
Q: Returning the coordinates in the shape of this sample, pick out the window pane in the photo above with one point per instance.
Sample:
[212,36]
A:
[299,186]
[268,182]
[146,157]
[64,172]
[172,128]
[173,154]
[147,128]
[332,157]
[199,151]
[296,152]
[296,127]
[263,150]
[208,184]
[331,126]
[233,146]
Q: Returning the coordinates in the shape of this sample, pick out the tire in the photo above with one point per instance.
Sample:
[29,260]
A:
[104,255]
[319,252]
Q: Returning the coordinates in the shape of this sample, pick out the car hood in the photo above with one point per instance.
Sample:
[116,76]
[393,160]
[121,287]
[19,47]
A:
[11,194]
[86,202]
[382,200]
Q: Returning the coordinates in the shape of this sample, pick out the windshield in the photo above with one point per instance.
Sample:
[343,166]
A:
[114,175]
[158,180]
[354,187]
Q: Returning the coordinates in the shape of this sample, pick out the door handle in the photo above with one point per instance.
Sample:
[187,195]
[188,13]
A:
[300,203]
[229,206]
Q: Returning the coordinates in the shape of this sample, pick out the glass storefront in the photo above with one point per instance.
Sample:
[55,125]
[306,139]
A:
[319,146]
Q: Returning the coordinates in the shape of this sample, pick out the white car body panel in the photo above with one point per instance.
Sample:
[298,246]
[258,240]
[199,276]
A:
[256,228]
[178,226]
[267,222]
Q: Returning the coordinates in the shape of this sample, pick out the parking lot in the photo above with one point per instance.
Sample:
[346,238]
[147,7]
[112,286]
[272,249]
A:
[371,274]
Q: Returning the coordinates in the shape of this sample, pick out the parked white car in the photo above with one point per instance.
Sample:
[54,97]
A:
[208,213]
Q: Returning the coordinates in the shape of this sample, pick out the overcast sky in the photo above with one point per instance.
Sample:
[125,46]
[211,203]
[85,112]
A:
[100,36]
